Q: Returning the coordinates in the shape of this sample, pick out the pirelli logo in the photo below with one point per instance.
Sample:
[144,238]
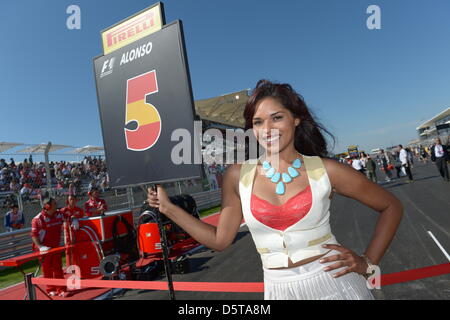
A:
[135,28]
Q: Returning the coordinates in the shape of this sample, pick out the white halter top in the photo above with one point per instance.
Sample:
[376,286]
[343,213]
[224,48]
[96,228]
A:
[301,240]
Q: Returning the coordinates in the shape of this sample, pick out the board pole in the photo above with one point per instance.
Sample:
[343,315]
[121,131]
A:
[165,251]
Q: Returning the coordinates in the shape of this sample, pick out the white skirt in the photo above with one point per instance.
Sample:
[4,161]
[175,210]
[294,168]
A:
[310,282]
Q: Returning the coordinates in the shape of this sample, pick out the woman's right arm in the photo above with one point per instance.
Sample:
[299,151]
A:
[217,238]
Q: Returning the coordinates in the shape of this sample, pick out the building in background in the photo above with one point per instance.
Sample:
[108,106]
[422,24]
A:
[220,113]
[438,126]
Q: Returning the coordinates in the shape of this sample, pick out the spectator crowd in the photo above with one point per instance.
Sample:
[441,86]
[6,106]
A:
[28,178]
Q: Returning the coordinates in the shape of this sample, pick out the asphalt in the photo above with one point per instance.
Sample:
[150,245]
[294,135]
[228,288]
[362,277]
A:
[427,208]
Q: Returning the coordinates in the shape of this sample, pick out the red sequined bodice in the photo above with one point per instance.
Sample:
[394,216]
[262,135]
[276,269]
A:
[284,216]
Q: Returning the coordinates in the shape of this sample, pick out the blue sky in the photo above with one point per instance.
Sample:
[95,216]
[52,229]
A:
[371,88]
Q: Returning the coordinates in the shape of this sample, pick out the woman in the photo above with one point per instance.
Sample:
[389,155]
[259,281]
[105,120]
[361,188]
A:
[289,222]
[71,214]
[71,210]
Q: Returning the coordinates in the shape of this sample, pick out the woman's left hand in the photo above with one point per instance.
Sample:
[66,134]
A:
[346,258]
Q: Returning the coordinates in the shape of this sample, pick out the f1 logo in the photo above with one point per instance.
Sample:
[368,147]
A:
[107,67]
[144,114]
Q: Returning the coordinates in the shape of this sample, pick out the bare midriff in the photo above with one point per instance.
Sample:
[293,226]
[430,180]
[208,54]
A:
[301,262]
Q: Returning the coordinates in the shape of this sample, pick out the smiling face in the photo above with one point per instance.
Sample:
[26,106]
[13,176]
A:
[273,125]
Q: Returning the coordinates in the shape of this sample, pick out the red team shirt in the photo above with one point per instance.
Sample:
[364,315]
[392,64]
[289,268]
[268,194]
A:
[72,213]
[47,229]
[94,204]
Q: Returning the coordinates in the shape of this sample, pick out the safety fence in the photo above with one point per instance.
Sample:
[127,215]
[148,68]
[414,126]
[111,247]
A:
[386,279]
[16,243]
[117,199]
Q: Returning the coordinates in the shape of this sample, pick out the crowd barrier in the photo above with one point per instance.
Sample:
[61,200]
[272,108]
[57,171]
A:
[16,243]
[386,279]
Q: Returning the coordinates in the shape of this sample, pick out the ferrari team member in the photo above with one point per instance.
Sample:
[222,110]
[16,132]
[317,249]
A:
[95,206]
[71,213]
[46,234]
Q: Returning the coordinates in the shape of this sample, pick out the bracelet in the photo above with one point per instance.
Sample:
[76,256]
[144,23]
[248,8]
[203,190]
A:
[370,267]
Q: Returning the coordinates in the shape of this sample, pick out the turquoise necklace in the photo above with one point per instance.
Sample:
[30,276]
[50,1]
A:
[275,176]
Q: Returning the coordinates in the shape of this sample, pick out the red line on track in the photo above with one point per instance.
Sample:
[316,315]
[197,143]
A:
[415,274]
[386,279]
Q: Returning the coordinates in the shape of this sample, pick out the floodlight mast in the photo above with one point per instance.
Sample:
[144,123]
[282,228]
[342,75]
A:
[47,168]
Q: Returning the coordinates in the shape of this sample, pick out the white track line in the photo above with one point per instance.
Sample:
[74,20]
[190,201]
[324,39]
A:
[439,245]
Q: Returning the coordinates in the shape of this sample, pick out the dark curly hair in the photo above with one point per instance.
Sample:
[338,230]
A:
[308,137]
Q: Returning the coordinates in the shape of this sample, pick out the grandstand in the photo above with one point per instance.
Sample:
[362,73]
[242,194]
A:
[437,126]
